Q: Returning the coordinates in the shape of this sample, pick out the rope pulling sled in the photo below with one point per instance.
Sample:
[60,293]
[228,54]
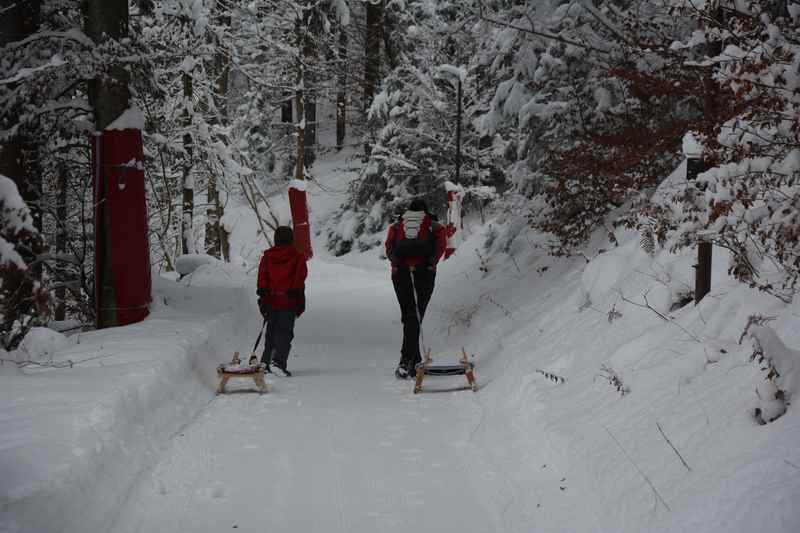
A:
[235,369]
[464,367]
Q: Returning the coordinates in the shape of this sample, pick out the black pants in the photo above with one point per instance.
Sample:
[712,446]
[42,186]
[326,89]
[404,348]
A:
[424,280]
[278,340]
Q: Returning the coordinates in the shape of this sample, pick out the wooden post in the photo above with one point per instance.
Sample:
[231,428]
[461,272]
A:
[702,272]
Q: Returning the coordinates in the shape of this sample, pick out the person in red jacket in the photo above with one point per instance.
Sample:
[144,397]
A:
[414,246]
[281,290]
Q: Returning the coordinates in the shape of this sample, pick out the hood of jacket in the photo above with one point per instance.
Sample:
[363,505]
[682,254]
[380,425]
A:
[282,253]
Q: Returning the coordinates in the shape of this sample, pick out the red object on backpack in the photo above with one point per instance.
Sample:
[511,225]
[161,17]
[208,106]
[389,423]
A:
[298,204]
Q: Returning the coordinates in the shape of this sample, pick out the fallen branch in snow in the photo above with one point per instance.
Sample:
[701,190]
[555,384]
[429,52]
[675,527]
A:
[69,363]
[662,316]
[552,377]
[610,375]
[647,479]
[489,298]
[674,449]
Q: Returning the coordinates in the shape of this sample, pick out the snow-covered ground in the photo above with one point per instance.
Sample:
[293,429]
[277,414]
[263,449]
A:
[134,440]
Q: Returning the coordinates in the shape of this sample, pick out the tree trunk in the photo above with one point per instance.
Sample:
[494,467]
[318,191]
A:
[311,30]
[299,101]
[109,97]
[187,213]
[61,239]
[215,233]
[372,54]
[341,95]
[372,51]
[286,111]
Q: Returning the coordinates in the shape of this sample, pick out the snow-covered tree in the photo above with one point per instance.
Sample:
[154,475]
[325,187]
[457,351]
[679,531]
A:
[413,122]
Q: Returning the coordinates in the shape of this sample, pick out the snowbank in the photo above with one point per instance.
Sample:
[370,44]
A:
[75,439]
[680,450]
[188,263]
[40,344]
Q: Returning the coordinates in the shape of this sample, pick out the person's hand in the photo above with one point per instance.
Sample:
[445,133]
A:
[301,307]
[265,310]
[261,292]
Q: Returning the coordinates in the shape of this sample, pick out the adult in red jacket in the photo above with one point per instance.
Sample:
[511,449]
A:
[281,290]
[414,246]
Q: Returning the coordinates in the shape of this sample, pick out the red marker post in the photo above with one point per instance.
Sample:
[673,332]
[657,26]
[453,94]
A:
[298,203]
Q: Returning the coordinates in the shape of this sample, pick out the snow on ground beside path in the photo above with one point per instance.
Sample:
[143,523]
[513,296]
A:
[574,456]
[73,440]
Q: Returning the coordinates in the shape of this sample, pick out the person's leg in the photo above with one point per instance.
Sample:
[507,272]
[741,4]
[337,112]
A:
[423,283]
[409,352]
[269,342]
[284,333]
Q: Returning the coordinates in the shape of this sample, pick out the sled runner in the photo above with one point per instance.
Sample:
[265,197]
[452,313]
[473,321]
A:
[463,368]
[235,369]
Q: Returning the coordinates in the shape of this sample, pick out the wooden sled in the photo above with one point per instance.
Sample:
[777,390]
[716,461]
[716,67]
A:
[235,369]
[463,368]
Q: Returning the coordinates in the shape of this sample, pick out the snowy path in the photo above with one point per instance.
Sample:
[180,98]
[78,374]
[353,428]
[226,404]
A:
[340,446]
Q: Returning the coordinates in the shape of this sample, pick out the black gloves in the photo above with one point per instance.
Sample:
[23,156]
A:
[262,292]
[265,310]
[299,295]
[295,294]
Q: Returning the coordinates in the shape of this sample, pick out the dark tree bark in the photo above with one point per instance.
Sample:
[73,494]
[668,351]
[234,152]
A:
[61,238]
[341,94]
[109,94]
[286,111]
[372,50]
[372,55]
[215,232]
[187,213]
[312,27]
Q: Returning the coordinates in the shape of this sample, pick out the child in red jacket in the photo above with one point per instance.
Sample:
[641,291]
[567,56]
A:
[281,290]
[414,246]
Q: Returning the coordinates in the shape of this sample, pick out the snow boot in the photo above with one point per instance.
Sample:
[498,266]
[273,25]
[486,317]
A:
[280,371]
[401,373]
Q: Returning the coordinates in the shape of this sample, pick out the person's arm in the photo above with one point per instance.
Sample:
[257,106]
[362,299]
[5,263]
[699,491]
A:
[300,275]
[390,241]
[262,285]
[297,291]
[440,238]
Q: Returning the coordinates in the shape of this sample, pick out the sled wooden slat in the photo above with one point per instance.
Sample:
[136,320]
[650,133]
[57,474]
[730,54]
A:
[234,370]
[463,368]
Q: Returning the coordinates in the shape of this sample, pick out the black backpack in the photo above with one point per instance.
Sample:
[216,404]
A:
[419,246]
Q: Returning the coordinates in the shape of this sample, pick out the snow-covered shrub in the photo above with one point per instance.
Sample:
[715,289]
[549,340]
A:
[23,302]
[188,263]
[40,344]
[781,364]
[749,200]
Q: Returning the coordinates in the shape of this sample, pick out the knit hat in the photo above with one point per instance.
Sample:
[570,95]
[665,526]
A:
[284,235]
